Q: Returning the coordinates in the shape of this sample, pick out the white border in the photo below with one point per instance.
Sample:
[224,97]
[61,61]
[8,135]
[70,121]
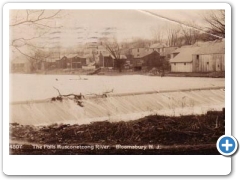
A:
[113,165]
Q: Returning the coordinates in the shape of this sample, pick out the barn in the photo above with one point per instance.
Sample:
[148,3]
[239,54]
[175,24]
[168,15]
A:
[153,60]
[21,65]
[205,57]
[149,60]
[72,61]
[62,63]
[210,57]
[48,63]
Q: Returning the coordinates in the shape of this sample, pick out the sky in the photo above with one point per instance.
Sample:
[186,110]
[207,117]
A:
[129,23]
[81,26]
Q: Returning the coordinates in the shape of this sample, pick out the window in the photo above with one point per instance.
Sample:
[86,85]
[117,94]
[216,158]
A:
[207,63]
[137,50]
[197,56]
[175,64]
[184,64]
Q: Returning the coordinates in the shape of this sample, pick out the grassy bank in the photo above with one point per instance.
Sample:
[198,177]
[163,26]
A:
[195,134]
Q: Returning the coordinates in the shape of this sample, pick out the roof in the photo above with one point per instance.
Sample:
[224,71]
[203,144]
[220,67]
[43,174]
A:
[105,55]
[137,48]
[87,56]
[71,55]
[214,47]
[169,50]
[121,56]
[184,54]
[124,51]
[143,54]
[146,54]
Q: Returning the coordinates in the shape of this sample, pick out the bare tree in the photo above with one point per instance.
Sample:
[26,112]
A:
[138,42]
[113,47]
[216,22]
[39,58]
[33,17]
[173,34]
[158,34]
[27,27]
[190,33]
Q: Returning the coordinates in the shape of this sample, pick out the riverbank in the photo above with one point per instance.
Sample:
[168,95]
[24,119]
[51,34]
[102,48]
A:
[166,135]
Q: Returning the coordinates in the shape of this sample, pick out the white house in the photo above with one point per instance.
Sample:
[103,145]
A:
[181,59]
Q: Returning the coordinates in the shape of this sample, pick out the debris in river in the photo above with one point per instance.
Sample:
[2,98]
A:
[58,98]
[77,98]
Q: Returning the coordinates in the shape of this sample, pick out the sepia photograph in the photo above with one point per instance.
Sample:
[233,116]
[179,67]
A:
[116,81]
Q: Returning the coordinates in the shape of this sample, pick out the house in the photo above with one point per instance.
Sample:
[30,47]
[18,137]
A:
[100,49]
[74,61]
[62,63]
[119,62]
[162,49]
[93,50]
[138,52]
[105,61]
[149,60]
[181,59]
[205,57]
[49,63]
[167,51]
[71,61]
[89,51]
[21,64]
[110,61]
[159,47]
[210,57]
